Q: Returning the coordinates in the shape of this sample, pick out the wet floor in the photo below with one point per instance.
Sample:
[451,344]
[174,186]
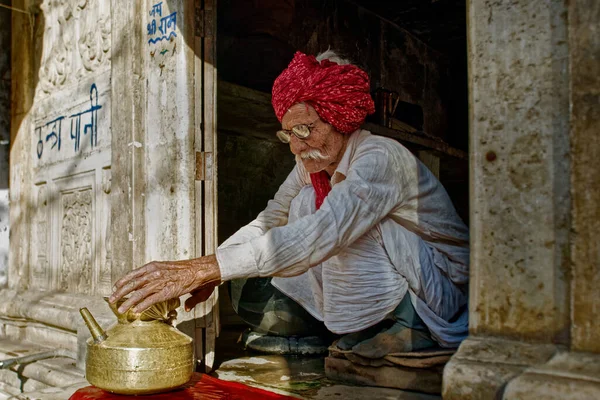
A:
[303,377]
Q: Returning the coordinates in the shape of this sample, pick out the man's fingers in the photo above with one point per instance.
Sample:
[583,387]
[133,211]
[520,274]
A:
[131,275]
[133,300]
[149,301]
[132,281]
[124,290]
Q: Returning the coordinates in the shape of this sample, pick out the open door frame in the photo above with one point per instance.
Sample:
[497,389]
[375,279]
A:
[205,145]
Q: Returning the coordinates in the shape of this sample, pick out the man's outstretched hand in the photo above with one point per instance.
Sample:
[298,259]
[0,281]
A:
[162,280]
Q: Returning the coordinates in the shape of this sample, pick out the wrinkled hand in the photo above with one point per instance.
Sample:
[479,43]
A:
[162,280]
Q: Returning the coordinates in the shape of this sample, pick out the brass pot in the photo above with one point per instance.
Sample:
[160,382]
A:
[141,353]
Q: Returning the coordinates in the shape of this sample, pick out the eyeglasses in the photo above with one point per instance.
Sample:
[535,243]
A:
[301,131]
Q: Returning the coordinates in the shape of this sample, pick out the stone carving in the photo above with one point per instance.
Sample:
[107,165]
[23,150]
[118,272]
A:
[75,42]
[71,115]
[42,218]
[94,46]
[54,71]
[76,247]
[40,265]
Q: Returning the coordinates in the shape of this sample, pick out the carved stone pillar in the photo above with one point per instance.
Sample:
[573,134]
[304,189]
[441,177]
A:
[534,205]
[157,74]
[153,133]
[128,179]
[575,374]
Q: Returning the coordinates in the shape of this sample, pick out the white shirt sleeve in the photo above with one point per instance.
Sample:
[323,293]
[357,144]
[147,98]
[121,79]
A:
[275,214]
[371,190]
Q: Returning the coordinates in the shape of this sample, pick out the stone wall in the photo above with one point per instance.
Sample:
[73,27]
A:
[68,138]
[534,112]
[5,45]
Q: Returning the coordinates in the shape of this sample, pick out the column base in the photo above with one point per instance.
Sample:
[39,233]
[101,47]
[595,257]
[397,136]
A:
[483,366]
[568,375]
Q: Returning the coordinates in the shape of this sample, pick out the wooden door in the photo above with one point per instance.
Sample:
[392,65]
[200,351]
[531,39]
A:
[207,313]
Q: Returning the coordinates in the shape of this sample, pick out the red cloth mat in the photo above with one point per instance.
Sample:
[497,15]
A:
[200,387]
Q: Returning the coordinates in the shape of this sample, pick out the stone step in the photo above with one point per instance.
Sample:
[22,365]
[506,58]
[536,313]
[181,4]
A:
[14,383]
[53,308]
[37,376]
[54,393]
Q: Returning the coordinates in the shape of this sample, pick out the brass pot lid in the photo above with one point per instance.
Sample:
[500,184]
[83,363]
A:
[163,311]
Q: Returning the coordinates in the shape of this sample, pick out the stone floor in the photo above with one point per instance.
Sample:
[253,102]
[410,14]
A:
[302,377]
[49,379]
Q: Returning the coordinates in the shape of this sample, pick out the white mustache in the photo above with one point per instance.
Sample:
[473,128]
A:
[313,154]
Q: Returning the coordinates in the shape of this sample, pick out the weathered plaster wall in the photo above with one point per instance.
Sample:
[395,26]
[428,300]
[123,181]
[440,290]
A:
[5,45]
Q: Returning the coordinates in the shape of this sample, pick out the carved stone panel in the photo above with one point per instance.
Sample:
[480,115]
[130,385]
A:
[76,247]
[75,235]
[70,150]
[71,228]
[75,42]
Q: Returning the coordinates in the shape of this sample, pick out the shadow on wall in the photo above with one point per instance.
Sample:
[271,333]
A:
[5,26]
[5,45]
[4,237]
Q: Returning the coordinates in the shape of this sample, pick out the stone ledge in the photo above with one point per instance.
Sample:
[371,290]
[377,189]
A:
[12,384]
[52,372]
[54,379]
[482,366]
[34,332]
[57,309]
[570,375]
[51,318]
[62,393]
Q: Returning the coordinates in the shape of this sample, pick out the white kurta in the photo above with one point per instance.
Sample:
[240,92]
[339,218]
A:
[386,228]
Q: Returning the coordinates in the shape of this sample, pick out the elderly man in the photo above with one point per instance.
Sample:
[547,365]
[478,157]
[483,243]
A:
[360,234]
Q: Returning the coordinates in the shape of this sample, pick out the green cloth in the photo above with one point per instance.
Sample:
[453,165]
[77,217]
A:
[269,311]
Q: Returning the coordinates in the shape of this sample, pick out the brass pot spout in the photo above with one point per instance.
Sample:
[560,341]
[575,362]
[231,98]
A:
[97,333]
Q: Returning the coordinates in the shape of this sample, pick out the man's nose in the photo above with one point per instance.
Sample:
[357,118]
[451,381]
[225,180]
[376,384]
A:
[297,146]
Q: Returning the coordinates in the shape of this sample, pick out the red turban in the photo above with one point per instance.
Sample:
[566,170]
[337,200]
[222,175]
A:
[338,93]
